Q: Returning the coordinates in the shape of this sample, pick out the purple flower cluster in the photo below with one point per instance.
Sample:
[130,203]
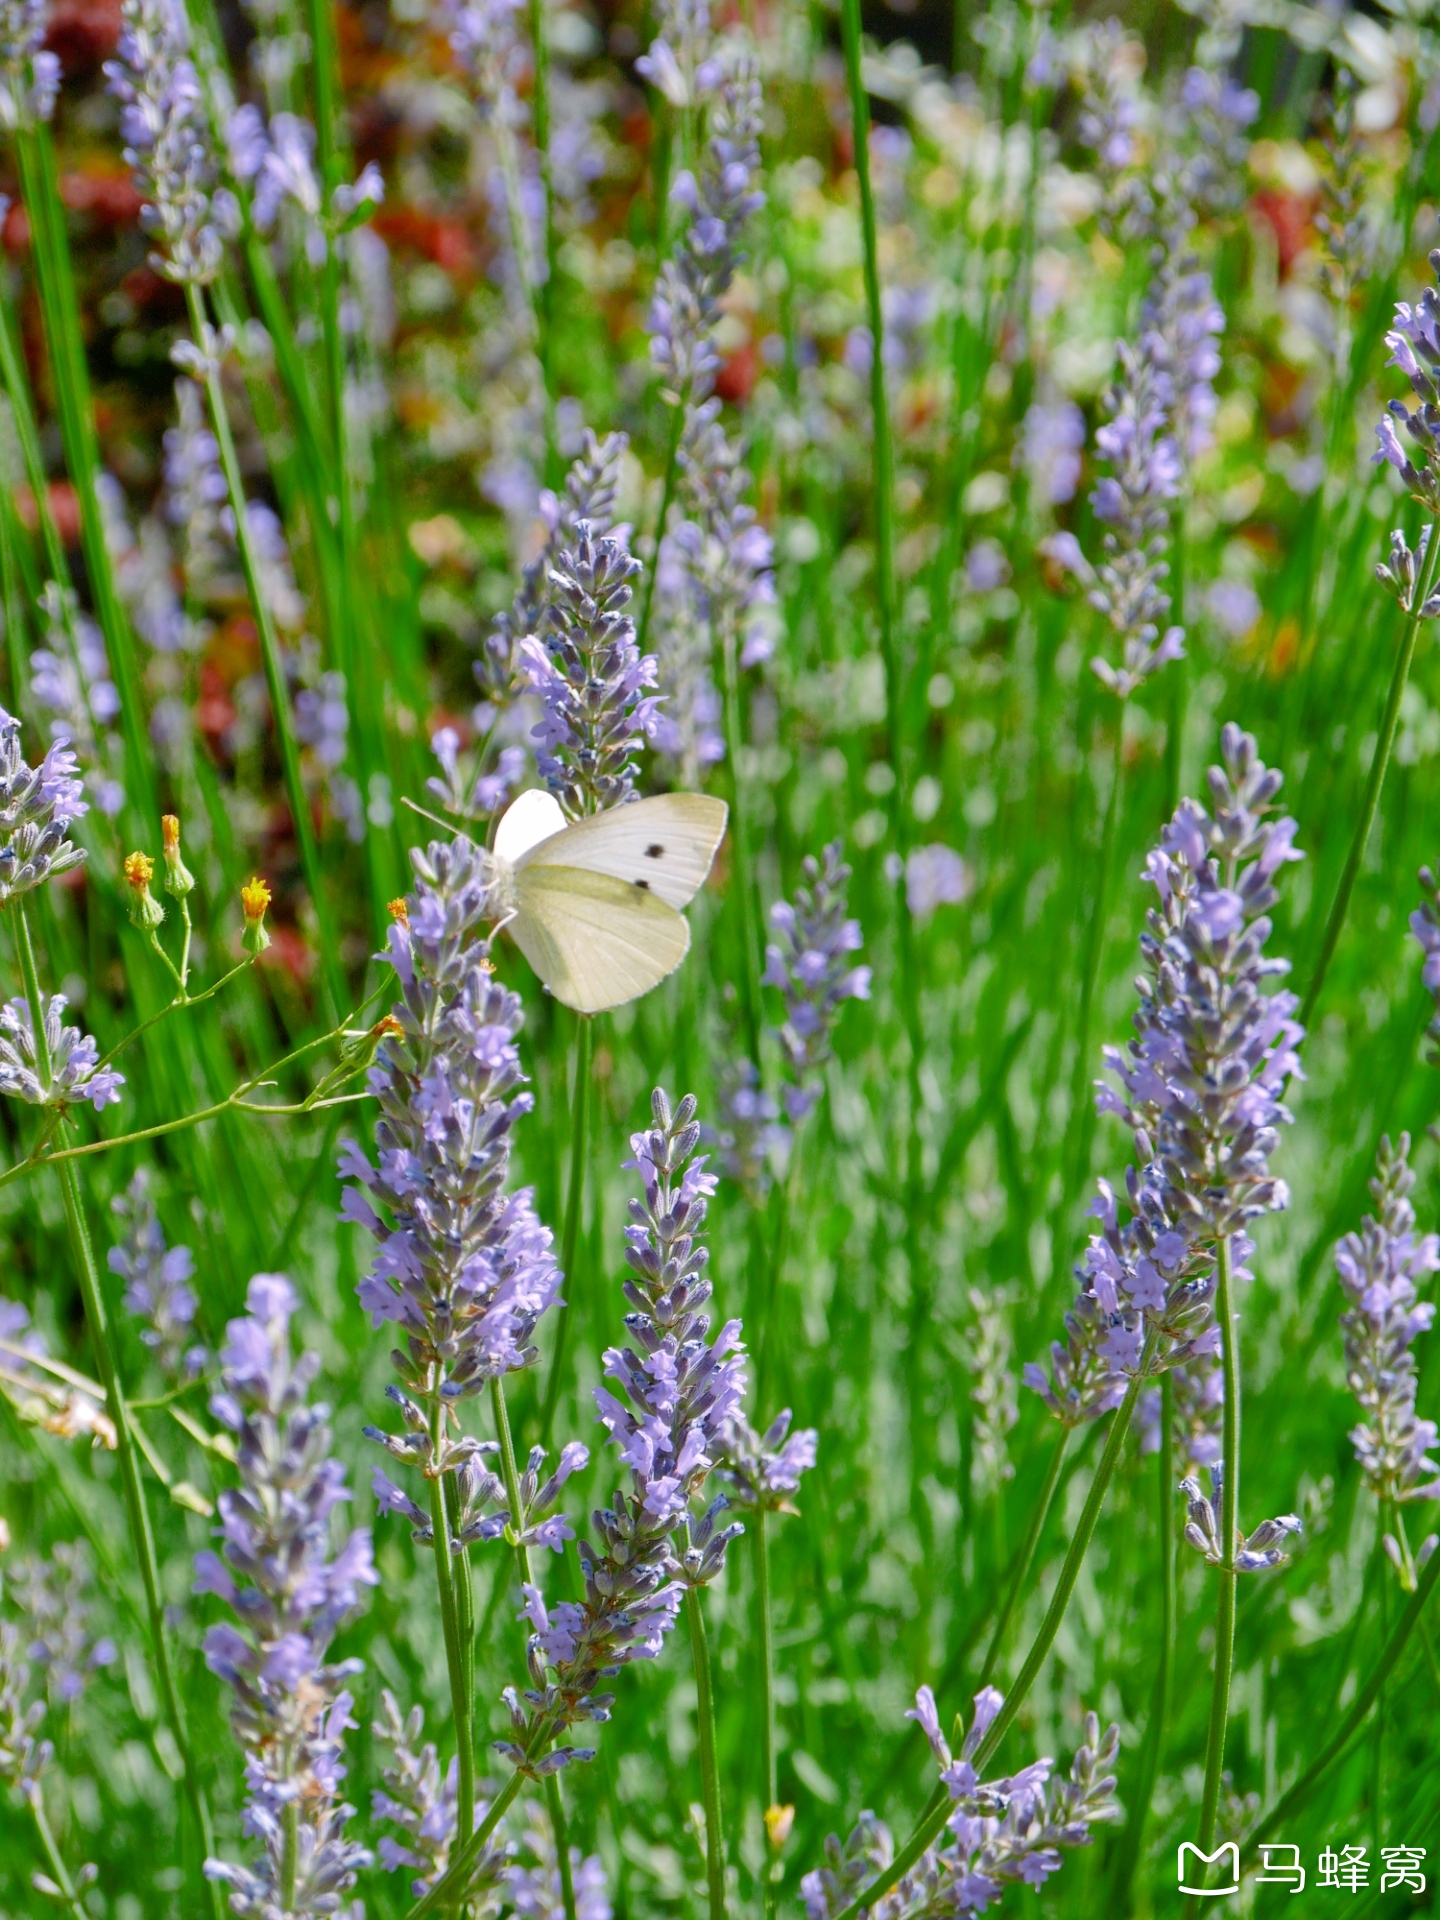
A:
[52,1595]
[1254,1552]
[38,806]
[414,1797]
[766,1468]
[1402,574]
[1052,443]
[157,1282]
[23,1757]
[1378,1268]
[290,1710]
[680,63]
[1202,1087]
[1133,503]
[70,678]
[1197,1407]
[29,75]
[592,487]
[464,1268]
[167,143]
[1181,321]
[72,1071]
[678,1392]
[1002,1833]
[808,961]
[1414,343]
[590,677]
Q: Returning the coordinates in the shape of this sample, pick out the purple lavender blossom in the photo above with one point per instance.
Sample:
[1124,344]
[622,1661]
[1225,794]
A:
[70,678]
[53,1596]
[167,143]
[808,962]
[23,1758]
[413,1797]
[1181,320]
[680,63]
[38,806]
[1414,343]
[290,1711]
[592,487]
[935,876]
[590,677]
[1377,1269]
[1002,1832]
[464,1267]
[1252,1553]
[753,1140]
[195,491]
[1202,1083]
[678,1391]
[157,1282]
[766,1468]
[75,1073]
[29,75]
[1197,1409]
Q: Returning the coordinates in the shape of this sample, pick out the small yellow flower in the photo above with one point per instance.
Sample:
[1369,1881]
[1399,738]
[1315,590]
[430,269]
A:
[255,898]
[178,878]
[778,1822]
[398,910]
[146,911]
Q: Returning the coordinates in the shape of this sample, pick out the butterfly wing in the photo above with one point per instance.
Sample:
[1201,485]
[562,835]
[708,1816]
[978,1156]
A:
[663,846]
[594,940]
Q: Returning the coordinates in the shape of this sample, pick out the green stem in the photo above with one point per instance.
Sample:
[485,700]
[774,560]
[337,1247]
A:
[1295,1797]
[1038,1516]
[667,496]
[937,1808]
[270,655]
[450,1621]
[137,1513]
[709,1768]
[740,841]
[774,1872]
[574,1203]
[1376,779]
[444,1891]
[59,1872]
[290,1857]
[1153,1753]
[1229,1517]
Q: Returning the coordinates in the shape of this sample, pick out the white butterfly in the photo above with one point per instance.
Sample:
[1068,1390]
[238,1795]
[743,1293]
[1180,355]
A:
[594,904]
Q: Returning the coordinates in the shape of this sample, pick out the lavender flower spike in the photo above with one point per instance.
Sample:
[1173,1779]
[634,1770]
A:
[413,1796]
[1002,1832]
[808,961]
[1425,925]
[590,677]
[1252,1553]
[463,1267]
[765,1469]
[167,142]
[290,1711]
[682,1389]
[38,806]
[29,75]
[75,1070]
[1414,343]
[1377,1269]
[157,1282]
[1202,1083]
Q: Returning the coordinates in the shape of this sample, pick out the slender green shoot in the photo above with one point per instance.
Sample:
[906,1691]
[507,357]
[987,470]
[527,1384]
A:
[1021,1570]
[574,1206]
[709,1763]
[1229,1514]
[460,1694]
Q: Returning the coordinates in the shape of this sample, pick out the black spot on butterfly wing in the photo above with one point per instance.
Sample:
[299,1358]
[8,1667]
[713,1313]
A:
[644,885]
[654,851]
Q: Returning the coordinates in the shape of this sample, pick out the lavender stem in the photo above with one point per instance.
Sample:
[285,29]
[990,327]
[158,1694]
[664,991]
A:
[1027,1554]
[1082,1110]
[740,841]
[570,1238]
[1375,780]
[709,1770]
[1229,1516]
[53,1856]
[460,1701]
[767,1696]
[1154,1750]
[137,1512]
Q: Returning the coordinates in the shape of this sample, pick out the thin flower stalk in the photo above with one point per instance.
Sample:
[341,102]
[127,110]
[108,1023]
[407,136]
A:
[24,1760]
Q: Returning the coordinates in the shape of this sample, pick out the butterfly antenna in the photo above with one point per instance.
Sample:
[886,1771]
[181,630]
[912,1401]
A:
[425,814]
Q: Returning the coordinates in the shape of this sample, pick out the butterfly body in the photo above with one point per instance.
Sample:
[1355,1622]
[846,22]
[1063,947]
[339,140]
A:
[595,905]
